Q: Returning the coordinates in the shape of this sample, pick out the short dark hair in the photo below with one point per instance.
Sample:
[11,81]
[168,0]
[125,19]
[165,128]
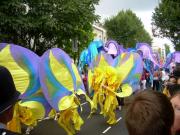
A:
[150,113]
[174,89]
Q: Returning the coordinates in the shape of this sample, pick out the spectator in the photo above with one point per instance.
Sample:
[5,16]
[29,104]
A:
[178,81]
[148,80]
[164,76]
[143,79]
[150,113]
[174,91]
[8,97]
[172,65]
[172,84]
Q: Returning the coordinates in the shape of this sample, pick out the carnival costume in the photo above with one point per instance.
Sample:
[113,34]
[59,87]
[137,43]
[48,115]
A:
[23,65]
[109,78]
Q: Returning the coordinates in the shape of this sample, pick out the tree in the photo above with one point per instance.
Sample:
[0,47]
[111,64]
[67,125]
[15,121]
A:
[127,29]
[42,24]
[166,21]
[167,48]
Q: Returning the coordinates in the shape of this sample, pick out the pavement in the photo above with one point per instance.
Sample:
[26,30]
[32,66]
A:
[96,125]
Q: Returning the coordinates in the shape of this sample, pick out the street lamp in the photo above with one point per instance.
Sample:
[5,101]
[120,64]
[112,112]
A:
[75,45]
[75,48]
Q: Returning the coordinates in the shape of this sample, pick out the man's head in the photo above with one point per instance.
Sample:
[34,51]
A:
[8,95]
[150,113]
[174,91]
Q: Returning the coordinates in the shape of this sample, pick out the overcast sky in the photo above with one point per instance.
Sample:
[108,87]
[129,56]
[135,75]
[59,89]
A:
[142,8]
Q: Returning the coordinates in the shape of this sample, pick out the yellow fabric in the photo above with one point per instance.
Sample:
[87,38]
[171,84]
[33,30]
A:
[61,73]
[166,92]
[27,116]
[102,61]
[110,106]
[125,68]
[52,113]
[126,91]
[37,109]
[15,125]
[20,76]
[105,82]
[80,92]
[26,113]
[78,78]
[90,75]
[67,102]
[70,120]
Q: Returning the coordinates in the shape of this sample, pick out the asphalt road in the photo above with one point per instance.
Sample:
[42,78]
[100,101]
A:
[93,126]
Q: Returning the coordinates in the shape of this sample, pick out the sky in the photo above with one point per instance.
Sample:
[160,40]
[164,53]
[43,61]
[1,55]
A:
[142,8]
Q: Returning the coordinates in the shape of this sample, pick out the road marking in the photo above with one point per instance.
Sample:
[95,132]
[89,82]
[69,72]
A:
[84,103]
[107,129]
[119,119]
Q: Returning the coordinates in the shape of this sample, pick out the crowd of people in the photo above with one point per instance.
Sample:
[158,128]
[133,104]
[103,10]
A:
[156,112]
[160,78]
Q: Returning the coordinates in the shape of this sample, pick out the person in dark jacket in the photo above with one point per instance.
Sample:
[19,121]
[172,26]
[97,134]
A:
[8,97]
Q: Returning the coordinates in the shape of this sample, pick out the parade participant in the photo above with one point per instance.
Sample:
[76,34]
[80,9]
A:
[156,80]
[150,113]
[8,97]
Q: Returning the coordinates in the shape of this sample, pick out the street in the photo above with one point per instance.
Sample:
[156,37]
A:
[96,125]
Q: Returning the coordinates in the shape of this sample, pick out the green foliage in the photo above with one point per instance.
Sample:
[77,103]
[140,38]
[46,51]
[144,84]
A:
[43,24]
[127,29]
[166,21]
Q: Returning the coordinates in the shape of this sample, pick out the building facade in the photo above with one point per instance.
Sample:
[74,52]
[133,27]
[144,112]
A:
[160,50]
[99,32]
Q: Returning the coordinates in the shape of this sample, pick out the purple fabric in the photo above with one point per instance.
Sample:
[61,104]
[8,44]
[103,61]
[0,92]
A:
[176,56]
[54,90]
[48,80]
[168,60]
[147,52]
[121,49]
[109,45]
[172,57]
[2,45]
[134,76]
[108,59]
[29,62]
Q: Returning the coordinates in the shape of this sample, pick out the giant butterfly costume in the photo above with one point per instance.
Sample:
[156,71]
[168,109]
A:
[107,75]
[46,83]
[61,84]
[172,57]
[24,65]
